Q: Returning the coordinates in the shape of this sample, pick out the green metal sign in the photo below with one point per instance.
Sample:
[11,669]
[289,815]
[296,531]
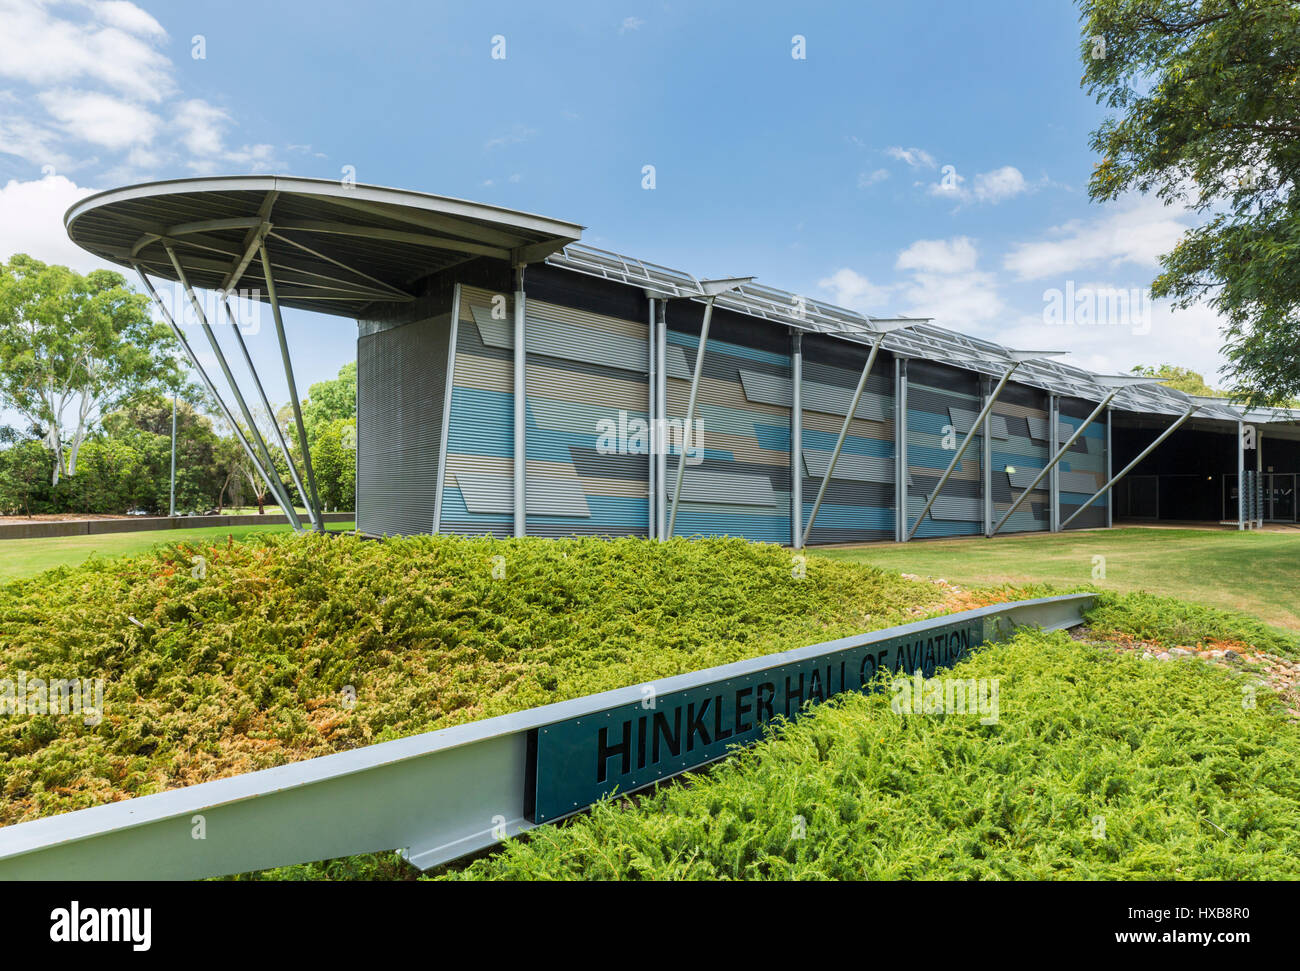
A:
[631,746]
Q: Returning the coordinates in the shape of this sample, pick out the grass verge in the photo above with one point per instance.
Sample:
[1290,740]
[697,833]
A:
[1255,572]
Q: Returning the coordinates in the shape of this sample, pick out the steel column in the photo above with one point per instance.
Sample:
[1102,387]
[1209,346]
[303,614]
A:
[690,412]
[661,390]
[652,413]
[1241,475]
[1060,454]
[844,434]
[796,440]
[900,449]
[1125,471]
[1259,477]
[310,499]
[273,478]
[521,410]
[172,501]
[203,375]
[975,427]
[279,433]
[1110,506]
[986,463]
[1054,479]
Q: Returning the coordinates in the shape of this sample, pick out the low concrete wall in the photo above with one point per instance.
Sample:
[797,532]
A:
[91,527]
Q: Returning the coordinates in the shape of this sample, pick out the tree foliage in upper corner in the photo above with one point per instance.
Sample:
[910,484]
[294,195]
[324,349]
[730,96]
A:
[85,344]
[1183,379]
[1205,97]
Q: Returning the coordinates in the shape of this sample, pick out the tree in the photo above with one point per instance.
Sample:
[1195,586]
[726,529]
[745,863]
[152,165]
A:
[1183,379]
[334,459]
[24,473]
[1206,95]
[70,341]
[330,400]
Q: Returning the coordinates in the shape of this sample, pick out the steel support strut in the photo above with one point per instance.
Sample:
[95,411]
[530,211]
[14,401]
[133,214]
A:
[975,427]
[207,381]
[310,497]
[272,477]
[261,392]
[1042,473]
[690,413]
[1125,471]
[844,434]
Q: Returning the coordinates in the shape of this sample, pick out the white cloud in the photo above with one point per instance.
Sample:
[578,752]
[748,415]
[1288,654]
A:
[42,49]
[200,126]
[32,142]
[958,301]
[129,17]
[848,288]
[866,179]
[915,157]
[101,119]
[990,187]
[956,255]
[946,286]
[31,222]
[518,133]
[1137,231]
[631,23]
[999,184]
[1188,338]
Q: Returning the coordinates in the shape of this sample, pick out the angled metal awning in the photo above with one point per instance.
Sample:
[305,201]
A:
[331,247]
[334,248]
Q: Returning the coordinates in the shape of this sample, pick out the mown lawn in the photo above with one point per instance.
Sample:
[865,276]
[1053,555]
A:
[28,557]
[1254,572]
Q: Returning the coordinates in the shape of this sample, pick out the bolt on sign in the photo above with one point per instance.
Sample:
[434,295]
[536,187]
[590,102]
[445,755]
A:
[577,762]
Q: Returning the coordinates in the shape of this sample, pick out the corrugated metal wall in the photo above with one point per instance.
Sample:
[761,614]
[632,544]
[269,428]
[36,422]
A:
[1083,469]
[941,404]
[588,413]
[587,409]
[478,484]
[401,378]
[588,406]
[1020,456]
[741,485]
[859,503]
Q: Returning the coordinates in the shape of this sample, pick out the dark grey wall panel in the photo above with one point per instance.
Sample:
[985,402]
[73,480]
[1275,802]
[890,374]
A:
[401,380]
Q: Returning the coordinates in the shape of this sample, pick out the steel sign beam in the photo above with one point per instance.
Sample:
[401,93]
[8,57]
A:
[444,794]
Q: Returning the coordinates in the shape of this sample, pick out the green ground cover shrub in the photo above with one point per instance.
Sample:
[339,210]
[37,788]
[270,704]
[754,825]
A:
[1188,782]
[223,658]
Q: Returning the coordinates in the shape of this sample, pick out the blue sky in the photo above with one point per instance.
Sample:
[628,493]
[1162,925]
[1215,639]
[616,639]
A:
[923,157]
